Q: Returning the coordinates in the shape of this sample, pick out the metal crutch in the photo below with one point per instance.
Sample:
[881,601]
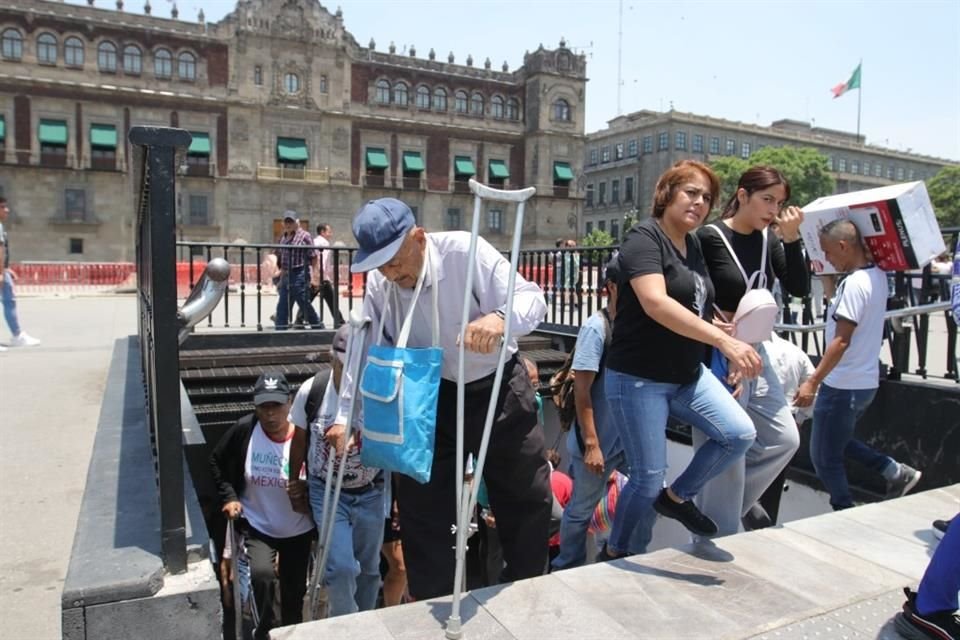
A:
[234,544]
[466,488]
[355,341]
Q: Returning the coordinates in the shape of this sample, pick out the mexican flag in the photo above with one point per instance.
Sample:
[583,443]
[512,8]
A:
[852,83]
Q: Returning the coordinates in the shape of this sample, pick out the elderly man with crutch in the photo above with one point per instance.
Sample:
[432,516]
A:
[397,253]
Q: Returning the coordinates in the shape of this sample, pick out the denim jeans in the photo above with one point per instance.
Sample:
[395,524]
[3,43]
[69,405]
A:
[353,564]
[588,490]
[941,580]
[10,304]
[293,289]
[835,415]
[640,408]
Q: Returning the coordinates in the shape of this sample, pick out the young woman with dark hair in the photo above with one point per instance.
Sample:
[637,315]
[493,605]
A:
[654,367]
[741,254]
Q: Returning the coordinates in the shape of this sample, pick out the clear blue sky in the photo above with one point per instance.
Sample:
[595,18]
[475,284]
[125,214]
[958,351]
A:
[753,61]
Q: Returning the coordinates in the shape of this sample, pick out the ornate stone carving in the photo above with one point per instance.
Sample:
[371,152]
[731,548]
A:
[341,139]
[239,130]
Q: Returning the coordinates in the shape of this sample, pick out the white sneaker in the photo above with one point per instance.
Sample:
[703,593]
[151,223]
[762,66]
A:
[23,339]
[2,348]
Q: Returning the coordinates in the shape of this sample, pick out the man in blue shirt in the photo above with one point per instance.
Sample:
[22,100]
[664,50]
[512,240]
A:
[593,443]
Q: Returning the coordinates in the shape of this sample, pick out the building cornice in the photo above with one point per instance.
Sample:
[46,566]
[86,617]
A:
[628,123]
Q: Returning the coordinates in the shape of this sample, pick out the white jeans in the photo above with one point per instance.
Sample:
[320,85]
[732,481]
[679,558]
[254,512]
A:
[728,496]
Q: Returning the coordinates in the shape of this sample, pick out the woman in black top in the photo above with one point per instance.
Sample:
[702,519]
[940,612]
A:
[655,362]
[734,249]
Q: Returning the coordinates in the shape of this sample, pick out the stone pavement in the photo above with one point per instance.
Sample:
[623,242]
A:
[832,576]
[50,400]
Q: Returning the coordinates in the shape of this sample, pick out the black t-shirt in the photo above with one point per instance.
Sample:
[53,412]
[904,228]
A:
[784,261]
[641,346]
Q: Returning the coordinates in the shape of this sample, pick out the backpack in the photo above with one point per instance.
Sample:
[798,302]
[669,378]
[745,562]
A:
[315,398]
[561,383]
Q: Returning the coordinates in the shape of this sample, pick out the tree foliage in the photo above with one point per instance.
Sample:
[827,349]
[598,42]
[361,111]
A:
[597,238]
[805,168]
[944,190]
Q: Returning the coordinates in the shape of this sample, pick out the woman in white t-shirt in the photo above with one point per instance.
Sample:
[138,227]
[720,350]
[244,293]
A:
[250,466]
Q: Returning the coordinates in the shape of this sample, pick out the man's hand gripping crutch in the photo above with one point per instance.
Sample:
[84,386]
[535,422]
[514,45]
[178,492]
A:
[480,336]
[331,491]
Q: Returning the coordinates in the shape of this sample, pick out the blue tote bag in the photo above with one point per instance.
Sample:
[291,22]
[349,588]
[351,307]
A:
[400,387]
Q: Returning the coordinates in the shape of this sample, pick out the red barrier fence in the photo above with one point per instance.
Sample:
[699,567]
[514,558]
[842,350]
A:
[70,276]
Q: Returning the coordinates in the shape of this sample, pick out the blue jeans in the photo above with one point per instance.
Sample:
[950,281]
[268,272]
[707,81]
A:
[10,304]
[293,288]
[835,415]
[588,490]
[352,576]
[640,408]
[941,580]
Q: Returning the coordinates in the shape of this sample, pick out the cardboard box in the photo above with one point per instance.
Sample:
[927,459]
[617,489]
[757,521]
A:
[897,223]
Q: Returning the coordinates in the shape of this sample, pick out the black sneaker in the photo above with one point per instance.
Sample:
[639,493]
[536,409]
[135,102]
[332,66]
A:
[756,518]
[940,625]
[687,513]
[603,556]
[940,528]
[907,479]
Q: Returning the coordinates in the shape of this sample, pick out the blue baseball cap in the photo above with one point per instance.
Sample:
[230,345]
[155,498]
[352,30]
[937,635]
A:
[380,227]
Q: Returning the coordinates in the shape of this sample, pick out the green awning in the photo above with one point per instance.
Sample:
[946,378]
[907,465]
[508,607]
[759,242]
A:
[498,169]
[377,159]
[562,172]
[200,145]
[292,149]
[3,128]
[412,161]
[103,136]
[463,166]
[53,132]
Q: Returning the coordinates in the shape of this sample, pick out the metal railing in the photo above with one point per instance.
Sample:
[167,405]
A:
[255,279]
[155,174]
[571,279]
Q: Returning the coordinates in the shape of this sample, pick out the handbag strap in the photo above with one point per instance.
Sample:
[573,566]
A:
[758,279]
[404,336]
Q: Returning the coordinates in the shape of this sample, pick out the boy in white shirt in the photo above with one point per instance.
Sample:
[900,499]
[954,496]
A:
[848,375]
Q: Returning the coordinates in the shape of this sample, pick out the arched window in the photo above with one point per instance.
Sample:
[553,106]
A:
[47,48]
[73,51]
[439,99]
[460,101]
[12,44]
[496,107]
[383,92]
[132,59]
[291,83]
[476,104]
[561,110]
[187,66]
[107,56]
[400,94]
[513,109]
[423,97]
[162,63]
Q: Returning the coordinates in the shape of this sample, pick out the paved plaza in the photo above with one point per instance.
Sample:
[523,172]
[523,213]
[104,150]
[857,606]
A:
[51,395]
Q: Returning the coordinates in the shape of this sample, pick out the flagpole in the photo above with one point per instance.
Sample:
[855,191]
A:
[859,97]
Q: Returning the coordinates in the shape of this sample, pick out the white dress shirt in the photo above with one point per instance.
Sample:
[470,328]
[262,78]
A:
[449,251]
[325,257]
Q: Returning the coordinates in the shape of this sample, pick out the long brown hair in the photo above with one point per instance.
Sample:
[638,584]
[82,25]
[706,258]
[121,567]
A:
[672,178]
[755,179]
